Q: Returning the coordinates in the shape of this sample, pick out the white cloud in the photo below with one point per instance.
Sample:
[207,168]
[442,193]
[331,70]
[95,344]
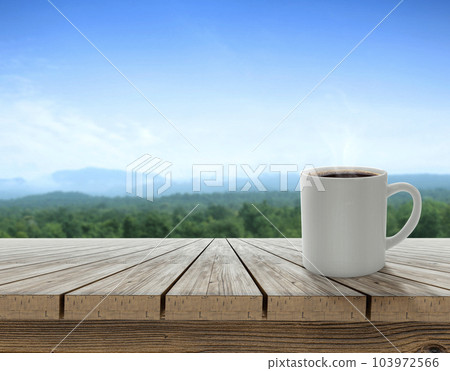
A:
[39,137]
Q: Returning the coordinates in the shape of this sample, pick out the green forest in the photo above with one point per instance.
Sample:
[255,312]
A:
[77,215]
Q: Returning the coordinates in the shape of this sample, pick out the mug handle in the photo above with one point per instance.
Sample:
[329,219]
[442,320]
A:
[394,188]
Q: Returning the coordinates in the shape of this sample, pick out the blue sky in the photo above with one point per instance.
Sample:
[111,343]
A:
[225,72]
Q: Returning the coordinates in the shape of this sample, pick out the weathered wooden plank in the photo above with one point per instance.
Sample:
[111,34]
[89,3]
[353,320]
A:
[135,293]
[423,248]
[425,251]
[422,243]
[419,274]
[419,252]
[40,297]
[415,273]
[404,290]
[216,287]
[420,263]
[395,294]
[10,247]
[293,293]
[288,243]
[421,271]
[395,298]
[68,248]
[223,336]
[284,248]
[420,246]
[21,272]
[420,256]
[43,254]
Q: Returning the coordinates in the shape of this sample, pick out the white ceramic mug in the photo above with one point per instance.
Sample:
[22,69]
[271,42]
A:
[344,220]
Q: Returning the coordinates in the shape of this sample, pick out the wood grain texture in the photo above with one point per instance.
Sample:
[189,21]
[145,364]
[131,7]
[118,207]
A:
[428,253]
[70,260]
[42,251]
[36,276]
[135,293]
[216,287]
[419,274]
[394,267]
[410,302]
[295,294]
[41,297]
[395,298]
[223,336]
[35,247]
[396,293]
[440,266]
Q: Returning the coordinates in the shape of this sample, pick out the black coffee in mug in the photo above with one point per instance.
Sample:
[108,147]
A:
[347,174]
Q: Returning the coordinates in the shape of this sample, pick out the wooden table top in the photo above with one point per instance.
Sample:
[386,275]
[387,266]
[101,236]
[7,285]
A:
[214,279]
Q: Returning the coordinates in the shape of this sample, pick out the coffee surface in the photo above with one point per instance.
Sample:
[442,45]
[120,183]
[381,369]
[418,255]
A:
[347,174]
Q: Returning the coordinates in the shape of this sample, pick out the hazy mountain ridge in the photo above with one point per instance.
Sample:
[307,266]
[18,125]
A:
[111,183]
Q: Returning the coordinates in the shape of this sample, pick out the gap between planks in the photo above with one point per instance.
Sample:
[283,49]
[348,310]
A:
[391,297]
[140,296]
[40,297]
[295,294]
[216,287]
[379,307]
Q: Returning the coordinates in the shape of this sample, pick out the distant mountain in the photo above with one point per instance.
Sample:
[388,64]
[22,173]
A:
[111,183]
[13,182]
